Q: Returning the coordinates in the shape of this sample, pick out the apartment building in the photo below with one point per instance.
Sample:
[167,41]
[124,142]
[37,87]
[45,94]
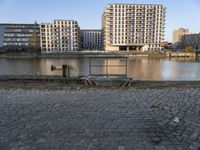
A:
[192,39]
[18,37]
[60,36]
[91,39]
[177,35]
[127,27]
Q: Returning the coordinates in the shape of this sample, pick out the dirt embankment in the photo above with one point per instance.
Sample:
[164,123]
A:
[76,84]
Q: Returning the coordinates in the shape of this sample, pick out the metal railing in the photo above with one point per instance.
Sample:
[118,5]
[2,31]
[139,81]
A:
[107,67]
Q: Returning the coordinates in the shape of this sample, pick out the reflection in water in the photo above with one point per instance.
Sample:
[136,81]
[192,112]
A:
[138,68]
[118,66]
[142,69]
[111,66]
[181,70]
[97,66]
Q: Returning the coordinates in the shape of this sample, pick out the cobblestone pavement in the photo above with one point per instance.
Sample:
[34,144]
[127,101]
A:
[100,119]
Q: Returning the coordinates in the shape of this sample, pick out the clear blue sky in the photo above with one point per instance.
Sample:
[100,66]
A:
[180,13]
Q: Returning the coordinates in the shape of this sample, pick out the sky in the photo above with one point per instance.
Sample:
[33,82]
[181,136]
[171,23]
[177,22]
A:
[180,13]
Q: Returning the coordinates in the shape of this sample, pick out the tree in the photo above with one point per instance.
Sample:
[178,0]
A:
[189,49]
[34,43]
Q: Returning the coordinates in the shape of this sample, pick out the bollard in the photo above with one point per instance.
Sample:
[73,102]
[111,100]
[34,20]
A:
[170,55]
[65,70]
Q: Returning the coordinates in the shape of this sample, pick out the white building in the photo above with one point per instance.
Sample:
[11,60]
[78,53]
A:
[91,39]
[61,36]
[133,27]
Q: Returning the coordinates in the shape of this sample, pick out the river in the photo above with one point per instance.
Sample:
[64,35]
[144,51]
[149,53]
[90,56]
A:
[137,68]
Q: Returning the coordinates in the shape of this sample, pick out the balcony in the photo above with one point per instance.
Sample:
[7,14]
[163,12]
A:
[150,11]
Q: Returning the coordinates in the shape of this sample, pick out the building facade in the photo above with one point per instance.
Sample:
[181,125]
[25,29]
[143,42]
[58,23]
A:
[1,38]
[177,35]
[191,40]
[60,36]
[133,27]
[91,40]
[166,45]
[19,37]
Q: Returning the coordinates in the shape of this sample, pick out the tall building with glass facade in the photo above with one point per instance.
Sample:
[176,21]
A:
[60,36]
[127,27]
[91,39]
[18,37]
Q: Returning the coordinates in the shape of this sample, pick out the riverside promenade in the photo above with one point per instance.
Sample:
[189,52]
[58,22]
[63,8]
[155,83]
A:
[38,116]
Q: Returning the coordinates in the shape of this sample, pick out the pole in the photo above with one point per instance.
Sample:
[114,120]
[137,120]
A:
[107,66]
[90,66]
[126,67]
[35,36]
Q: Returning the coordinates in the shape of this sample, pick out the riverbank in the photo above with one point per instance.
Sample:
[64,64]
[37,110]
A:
[57,82]
[83,54]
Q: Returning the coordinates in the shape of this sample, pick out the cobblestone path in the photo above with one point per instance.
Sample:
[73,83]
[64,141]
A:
[100,119]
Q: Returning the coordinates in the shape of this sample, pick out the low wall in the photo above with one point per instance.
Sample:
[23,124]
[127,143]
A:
[180,54]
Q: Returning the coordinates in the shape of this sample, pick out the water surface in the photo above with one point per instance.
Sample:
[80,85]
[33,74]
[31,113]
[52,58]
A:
[137,68]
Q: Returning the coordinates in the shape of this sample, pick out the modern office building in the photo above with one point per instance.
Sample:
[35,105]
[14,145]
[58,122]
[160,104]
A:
[128,27]
[1,38]
[177,35]
[60,36]
[91,39]
[192,39]
[18,37]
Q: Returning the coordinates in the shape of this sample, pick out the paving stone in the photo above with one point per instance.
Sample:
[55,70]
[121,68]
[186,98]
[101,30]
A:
[194,136]
[99,118]
[121,148]
[160,148]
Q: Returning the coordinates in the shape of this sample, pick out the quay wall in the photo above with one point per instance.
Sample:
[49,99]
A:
[102,54]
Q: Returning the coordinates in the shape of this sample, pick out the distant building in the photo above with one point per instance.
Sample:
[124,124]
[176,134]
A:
[1,37]
[60,36]
[91,39]
[192,39]
[18,37]
[166,45]
[177,35]
[130,27]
